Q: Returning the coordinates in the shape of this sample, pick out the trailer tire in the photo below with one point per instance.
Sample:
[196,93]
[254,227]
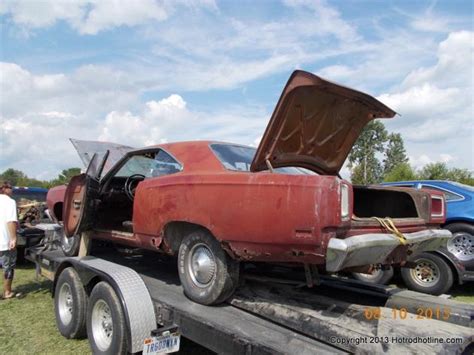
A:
[70,245]
[70,304]
[381,277]
[106,324]
[431,275]
[208,275]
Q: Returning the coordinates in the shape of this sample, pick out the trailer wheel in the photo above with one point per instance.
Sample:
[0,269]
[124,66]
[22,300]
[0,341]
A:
[70,304]
[431,274]
[379,276]
[70,245]
[207,273]
[106,328]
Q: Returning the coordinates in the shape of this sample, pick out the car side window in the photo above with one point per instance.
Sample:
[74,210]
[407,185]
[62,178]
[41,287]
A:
[449,196]
[165,164]
[150,165]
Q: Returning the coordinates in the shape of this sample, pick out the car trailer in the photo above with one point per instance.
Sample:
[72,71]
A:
[134,302]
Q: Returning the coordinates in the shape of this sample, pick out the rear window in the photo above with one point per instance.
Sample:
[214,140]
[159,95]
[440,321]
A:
[239,158]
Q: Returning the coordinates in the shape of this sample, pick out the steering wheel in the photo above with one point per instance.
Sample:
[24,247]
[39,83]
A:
[131,184]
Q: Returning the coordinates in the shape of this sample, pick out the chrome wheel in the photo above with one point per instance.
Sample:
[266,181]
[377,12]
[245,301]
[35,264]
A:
[373,276]
[426,273]
[102,325]
[65,304]
[461,245]
[201,265]
[66,242]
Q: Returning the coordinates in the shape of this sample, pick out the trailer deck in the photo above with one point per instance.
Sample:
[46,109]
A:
[274,312]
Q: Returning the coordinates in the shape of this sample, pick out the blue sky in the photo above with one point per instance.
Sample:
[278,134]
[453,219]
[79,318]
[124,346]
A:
[147,71]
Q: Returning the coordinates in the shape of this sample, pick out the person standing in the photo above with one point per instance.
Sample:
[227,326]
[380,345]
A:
[8,226]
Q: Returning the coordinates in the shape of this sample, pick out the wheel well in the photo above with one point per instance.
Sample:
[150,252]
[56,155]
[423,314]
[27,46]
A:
[174,232]
[455,221]
[58,211]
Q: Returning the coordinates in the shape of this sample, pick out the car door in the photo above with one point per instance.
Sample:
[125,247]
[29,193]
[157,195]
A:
[80,199]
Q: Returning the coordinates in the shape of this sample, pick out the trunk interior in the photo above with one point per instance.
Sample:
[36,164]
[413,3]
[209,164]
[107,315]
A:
[372,202]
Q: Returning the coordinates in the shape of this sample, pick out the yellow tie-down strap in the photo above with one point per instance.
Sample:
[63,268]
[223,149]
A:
[388,224]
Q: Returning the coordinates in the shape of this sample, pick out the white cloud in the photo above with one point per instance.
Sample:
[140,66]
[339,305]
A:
[40,112]
[92,16]
[422,160]
[436,103]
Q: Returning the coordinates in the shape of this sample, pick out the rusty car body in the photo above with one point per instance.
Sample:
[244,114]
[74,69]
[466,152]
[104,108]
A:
[215,204]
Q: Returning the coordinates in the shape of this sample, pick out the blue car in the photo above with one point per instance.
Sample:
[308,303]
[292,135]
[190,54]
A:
[435,272]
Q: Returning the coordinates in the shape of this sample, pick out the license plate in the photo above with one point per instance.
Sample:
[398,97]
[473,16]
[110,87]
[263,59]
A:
[161,344]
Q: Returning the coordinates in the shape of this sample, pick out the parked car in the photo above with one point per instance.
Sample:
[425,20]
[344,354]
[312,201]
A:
[31,207]
[436,271]
[215,204]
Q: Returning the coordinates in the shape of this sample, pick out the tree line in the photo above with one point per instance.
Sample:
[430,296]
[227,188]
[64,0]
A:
[19,178]
[379,156]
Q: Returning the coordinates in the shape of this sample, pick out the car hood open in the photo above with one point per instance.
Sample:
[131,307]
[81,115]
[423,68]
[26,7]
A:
[315,124]
[87,149]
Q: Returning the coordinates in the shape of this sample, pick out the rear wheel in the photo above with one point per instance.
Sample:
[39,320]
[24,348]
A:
[431,274]
[207,273]
[379,276]
[461,245]
[106,328]
[70,303]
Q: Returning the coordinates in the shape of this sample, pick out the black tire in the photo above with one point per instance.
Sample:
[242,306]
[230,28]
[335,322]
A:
[431,275]
[70,246]
[218,282]
[70,304]
[381,277]
[104,339]
[465,231]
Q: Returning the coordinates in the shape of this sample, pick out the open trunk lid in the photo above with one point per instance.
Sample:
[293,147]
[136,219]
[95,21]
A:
[315,125]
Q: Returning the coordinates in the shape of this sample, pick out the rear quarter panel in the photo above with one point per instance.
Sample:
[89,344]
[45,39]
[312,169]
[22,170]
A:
[261,216]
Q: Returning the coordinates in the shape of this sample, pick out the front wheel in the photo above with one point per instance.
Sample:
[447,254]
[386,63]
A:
[208,275]
[431,274]
[106,328]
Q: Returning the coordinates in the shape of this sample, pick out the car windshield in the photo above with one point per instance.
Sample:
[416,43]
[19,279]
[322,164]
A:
[239,158]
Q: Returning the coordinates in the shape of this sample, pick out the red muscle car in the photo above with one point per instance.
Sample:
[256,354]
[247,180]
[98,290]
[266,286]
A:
[215,204]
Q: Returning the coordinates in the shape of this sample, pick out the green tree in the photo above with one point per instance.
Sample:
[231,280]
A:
[395,153]
[365,167]
[400,172]
[371,175]
[13,176]
[65,176]
[434,171]
[461,175]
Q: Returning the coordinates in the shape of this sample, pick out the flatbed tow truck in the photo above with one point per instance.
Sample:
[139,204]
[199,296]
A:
[272,312]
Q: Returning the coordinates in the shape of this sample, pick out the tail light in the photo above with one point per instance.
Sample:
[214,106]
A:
[437,207]
[344,202]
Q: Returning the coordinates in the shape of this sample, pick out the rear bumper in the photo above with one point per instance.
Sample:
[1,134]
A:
[374,248]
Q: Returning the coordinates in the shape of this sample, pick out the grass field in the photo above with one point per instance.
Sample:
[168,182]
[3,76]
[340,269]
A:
[28,325]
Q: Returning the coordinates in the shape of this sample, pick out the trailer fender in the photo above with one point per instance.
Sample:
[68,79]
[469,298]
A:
[134,296]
